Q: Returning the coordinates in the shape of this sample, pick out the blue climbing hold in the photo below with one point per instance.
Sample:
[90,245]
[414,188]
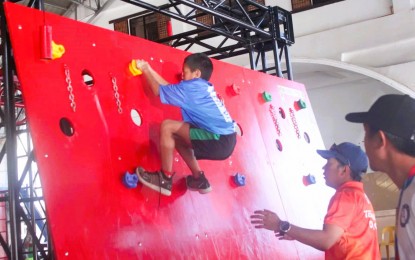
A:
[130,180]
[311,179]
[239,179]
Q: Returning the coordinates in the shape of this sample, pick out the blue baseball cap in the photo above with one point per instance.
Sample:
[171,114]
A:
[348,154]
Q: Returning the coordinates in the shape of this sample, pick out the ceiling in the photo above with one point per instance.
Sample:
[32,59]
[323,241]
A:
[315,76]
[63,7]
[53,6]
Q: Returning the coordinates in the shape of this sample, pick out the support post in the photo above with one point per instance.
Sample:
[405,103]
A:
[10,129]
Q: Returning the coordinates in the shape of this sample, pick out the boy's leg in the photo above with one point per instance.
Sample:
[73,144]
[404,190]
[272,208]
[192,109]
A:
[161,180]
[176,134]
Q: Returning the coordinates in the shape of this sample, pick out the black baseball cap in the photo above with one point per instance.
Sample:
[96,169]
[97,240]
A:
[394,114]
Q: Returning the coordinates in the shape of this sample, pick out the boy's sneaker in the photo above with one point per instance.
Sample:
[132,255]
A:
[201,184]
[155,180]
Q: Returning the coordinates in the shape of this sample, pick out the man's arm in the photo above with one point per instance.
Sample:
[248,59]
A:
[153,78]
[319,239]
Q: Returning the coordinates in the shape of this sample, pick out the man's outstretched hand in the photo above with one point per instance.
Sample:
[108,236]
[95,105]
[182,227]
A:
[265,219]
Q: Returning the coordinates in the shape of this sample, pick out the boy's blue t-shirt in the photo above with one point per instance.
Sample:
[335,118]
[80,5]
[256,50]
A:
[199,104]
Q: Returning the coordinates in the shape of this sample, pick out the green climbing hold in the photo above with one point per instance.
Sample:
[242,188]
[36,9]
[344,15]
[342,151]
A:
[301,104]
[266,96]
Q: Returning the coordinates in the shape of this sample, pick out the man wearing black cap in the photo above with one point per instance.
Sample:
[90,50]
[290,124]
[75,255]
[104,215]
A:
[349,230]
[390,145]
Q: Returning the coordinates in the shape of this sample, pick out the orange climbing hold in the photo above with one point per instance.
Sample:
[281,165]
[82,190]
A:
[133,68]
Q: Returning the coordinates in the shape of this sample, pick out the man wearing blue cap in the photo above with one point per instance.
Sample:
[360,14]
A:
[390,145]
[349,230]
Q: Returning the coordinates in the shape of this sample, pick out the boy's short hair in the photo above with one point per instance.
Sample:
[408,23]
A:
[201,62]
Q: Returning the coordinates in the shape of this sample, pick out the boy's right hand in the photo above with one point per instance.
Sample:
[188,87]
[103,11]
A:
[142,65]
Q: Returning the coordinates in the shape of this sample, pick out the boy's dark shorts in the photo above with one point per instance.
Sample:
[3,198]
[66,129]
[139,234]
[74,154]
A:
[208,146]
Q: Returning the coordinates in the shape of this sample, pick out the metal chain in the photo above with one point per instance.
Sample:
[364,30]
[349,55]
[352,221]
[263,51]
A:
[116,94]
[292,115]
[70,88]
[274,119]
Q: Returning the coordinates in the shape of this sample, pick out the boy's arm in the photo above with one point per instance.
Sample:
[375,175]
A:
[153,78]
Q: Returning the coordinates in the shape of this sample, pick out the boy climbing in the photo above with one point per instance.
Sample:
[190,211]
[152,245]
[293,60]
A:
[206,132]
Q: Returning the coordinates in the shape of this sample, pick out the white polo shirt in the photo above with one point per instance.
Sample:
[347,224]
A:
[405,226]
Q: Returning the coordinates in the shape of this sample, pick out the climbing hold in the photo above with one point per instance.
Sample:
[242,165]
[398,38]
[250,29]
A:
[266,96]
[233,90]
[301,104]
[309,179]
[57,50]
[130,180]
[132,66]
[236,89]
[239,179]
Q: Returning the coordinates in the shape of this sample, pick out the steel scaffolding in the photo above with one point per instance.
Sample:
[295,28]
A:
[245,26]
[26,234]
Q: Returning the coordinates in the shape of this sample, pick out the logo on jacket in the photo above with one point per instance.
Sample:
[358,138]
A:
[404,215]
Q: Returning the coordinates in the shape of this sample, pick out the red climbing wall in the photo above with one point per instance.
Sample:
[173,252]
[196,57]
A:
[82,153]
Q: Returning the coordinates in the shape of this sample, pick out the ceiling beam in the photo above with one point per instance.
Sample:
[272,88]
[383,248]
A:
[100,9]
[79,2]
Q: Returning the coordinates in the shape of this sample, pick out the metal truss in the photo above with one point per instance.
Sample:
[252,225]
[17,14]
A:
[94,5]
[245,26]
[97,6]
[26,234]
